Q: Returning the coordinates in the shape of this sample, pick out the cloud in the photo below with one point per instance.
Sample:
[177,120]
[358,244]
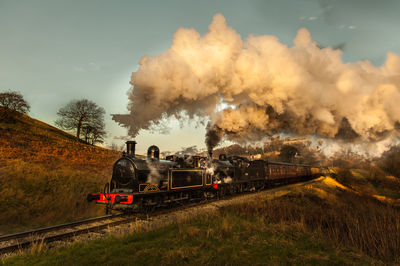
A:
[92,67]
[350,27]
[79,69]
[308,18]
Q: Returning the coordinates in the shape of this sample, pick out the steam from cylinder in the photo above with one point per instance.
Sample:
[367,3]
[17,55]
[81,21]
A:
[269,88]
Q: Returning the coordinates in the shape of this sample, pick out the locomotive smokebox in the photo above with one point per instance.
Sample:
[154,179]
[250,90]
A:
[130,148]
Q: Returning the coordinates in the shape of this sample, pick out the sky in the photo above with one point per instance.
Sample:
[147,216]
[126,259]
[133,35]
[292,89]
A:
[56,51]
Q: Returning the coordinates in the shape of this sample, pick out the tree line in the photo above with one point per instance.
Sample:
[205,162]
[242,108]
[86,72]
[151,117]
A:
[84,117]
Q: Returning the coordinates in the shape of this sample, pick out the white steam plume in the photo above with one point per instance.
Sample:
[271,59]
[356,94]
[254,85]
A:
[302,89]
[154,176]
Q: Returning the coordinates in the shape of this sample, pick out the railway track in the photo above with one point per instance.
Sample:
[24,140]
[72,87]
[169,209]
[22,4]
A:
[19,241]
[14,242]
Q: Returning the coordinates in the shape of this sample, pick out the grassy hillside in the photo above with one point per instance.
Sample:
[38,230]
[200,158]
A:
[45,174]
[371,182]
[322,223]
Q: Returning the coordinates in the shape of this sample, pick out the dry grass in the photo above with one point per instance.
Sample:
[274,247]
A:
[320,224]
[355,221]
[46,175]
[370,181]
[36,142]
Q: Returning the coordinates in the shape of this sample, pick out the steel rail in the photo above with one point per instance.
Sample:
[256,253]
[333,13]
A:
[62,236]
[56,227]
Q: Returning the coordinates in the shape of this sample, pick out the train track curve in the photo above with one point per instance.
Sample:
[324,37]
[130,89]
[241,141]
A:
[14,242]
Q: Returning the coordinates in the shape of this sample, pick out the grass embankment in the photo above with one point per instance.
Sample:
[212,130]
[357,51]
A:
[45,175]
[323,223]
[371,182]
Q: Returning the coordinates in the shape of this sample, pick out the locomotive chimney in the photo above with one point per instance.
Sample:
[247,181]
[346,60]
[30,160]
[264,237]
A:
[130,148]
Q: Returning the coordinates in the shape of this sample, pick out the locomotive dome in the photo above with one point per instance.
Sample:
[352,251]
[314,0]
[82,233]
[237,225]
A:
[153,152]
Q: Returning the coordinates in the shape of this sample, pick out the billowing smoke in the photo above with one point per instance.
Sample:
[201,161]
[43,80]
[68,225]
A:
[213,137]
[269,87]
[192,150]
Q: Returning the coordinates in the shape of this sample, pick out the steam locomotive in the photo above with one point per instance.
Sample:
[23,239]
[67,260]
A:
[142,184]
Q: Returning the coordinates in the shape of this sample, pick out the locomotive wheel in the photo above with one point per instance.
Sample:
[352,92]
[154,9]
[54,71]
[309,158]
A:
[222,192]
[232,190]
[149,209]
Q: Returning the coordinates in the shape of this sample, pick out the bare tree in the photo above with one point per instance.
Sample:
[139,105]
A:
[83,116]
[116,147]
[13,102]
[94,132]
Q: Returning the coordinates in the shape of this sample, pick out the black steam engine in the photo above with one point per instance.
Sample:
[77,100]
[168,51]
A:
[146,183]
